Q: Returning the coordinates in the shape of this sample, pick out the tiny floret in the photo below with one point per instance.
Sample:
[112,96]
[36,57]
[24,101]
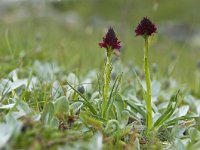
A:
[145,28]
[110,41]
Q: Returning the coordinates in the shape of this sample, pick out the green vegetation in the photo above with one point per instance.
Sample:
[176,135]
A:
[52,85]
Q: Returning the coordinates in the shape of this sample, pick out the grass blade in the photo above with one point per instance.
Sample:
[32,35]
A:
[168,112]
[136,108]
[87,103]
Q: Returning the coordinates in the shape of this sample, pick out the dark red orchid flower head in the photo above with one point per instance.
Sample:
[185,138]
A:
[145,28]
[110,41]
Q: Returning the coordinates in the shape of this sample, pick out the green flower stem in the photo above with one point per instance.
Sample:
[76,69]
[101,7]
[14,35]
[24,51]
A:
[107,73]
[149,120]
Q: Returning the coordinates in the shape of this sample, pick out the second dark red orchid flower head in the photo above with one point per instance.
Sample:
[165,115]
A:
[145,28]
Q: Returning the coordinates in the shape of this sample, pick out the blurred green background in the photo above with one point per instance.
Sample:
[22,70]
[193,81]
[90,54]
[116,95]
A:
[68,32]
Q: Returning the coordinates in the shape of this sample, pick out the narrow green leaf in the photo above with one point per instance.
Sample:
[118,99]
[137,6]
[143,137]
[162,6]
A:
[113,91]
[133,115]
[168,112]
[175,120]
[136,107]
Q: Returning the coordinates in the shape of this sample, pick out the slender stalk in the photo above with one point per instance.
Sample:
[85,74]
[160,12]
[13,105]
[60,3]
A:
[107,73]
[149,120]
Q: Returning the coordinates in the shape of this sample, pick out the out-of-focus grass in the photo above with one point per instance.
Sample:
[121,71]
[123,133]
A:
[76,50]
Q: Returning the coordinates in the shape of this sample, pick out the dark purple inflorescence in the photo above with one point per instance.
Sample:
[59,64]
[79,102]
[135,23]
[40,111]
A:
[145,28]
[110,41]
